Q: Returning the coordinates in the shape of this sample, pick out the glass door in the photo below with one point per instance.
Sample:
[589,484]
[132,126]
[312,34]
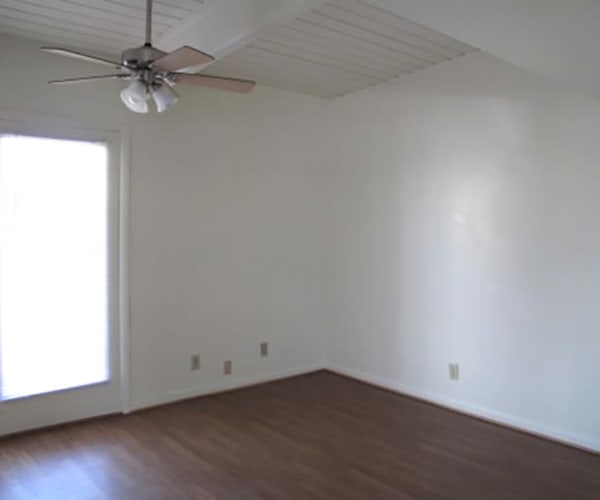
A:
[58,342]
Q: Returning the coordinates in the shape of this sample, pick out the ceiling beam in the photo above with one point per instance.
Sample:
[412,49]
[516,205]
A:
[228,25]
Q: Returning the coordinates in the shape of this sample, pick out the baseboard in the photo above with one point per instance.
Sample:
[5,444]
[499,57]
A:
[58,423]
[584,443]
[227,385]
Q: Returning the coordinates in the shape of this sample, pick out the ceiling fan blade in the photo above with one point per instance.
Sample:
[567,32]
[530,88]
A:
[81,56]
[215,82]
[88,78]
[183,57]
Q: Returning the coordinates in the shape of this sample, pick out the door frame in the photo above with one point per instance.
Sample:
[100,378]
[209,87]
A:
[114,396]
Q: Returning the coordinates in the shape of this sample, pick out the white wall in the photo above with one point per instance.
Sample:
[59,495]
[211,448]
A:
[467,207]
[225,224]
[227,241]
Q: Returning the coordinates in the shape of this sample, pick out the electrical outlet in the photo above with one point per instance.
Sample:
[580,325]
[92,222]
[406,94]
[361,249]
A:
[453,371]
[195,362]
[264,349]
[227,368]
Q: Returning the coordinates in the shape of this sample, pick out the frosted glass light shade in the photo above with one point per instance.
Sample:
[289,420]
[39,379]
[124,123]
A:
[164,97]
[134,97]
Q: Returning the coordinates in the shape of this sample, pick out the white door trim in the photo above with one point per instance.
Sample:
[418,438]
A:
[117,135]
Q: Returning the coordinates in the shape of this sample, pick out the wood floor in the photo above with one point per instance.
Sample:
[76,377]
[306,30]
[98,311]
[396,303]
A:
[318,436]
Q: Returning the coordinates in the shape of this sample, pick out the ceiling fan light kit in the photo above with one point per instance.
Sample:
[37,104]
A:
[152,72]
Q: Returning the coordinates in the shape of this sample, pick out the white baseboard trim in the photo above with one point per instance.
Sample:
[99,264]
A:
[227,385]
[585,443]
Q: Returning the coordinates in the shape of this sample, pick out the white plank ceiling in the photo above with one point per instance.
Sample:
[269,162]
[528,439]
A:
[337,48]
[103,26]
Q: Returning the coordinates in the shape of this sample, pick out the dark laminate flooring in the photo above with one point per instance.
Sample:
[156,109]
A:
[318,436]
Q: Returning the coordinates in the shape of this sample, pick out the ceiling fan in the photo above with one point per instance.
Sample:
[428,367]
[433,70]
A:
[153,73]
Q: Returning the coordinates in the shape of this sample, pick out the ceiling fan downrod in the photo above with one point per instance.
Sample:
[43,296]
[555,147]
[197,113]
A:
[148,23]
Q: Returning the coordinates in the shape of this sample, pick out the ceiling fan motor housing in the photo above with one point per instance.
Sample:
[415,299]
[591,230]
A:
[140,56]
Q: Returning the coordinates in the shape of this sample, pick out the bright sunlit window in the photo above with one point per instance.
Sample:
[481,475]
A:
[53,265]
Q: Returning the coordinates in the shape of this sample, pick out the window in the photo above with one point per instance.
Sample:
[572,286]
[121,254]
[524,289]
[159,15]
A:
[54,273]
